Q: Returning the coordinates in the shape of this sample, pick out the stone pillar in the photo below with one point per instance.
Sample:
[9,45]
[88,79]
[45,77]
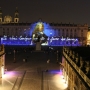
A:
[38,46]
[70,53]
[87,67]
[57,56]
[76,58]
[67,50]
[73,56]
[81,62]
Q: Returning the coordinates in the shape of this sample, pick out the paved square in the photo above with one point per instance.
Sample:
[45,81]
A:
[33,74]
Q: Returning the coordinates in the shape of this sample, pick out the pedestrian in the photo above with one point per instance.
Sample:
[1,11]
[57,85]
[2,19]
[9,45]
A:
[48,61]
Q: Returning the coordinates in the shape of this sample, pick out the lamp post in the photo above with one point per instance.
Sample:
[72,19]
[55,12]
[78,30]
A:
[14,57]
[57,56]
[42,79]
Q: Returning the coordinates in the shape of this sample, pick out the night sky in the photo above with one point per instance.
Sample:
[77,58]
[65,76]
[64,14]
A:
[65,11]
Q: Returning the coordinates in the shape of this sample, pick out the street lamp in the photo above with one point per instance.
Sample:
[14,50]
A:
[57,56]
[42,79]
[14,57]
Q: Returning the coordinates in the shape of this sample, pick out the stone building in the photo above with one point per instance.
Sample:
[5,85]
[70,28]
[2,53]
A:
[11,26]
[2,60]
[76,67]
[88,36]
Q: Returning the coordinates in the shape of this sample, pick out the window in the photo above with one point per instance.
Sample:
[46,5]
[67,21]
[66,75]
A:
[7,29]
[3,30]
[67,30]
[66,35]
[71,30]
[59,32]
[70,35]
[63,30]
[81,33]
[0,20]
[75,30]
[16,20]
[3,33]
[16,30]
[74,35]
[81,30]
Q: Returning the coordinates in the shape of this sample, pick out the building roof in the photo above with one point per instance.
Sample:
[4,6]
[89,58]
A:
[16,24]
[62,24]
[51,24]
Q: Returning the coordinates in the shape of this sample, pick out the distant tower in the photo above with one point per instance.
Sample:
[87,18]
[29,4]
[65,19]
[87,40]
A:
[16,16]
[0,15]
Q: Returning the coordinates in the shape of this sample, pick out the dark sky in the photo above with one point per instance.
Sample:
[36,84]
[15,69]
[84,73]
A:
[65,11]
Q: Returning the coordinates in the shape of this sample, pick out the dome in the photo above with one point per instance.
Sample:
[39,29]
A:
[8,19]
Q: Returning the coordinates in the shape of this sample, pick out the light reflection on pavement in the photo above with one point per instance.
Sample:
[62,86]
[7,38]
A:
[52,80]
[33,78]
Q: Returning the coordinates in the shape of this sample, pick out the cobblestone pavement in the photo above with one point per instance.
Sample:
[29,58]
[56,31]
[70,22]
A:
[35,74]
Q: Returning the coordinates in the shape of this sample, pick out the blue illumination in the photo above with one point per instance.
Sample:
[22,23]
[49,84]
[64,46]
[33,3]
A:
[51,41]
[47,29]
[54,71]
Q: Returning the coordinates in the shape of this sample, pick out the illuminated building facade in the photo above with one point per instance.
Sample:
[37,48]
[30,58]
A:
[2,60]
[88,36]
[76,67]
[11,27]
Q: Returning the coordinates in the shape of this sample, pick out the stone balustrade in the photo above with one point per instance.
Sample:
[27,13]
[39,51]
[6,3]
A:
[76,60]
[80,72]
[73,55]
[87,67]
[81,62]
